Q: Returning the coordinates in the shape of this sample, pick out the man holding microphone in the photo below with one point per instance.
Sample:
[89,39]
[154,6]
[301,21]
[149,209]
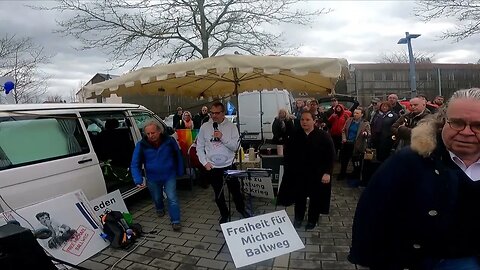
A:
[217,142]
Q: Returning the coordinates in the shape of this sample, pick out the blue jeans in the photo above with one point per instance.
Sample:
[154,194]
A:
[170,187]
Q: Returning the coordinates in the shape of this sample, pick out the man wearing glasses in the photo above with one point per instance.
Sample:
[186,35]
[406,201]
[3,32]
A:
[420,209]
[217,142]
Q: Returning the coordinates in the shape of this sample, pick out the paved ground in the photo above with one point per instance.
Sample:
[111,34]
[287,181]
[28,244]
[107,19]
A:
[197,245]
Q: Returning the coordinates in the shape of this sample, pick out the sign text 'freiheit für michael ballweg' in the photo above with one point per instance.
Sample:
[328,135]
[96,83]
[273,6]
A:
[260,238]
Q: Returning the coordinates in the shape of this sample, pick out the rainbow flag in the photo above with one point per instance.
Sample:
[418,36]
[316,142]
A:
[185,138]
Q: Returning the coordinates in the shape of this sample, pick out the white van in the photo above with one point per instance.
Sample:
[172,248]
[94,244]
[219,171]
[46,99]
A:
[51,149]
[258,109]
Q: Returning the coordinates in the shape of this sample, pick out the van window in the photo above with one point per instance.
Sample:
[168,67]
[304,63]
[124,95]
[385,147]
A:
[31,139]
[140,118]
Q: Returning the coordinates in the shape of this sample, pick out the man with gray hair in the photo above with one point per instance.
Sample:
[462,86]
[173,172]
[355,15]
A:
[160,155]
[402,128]
[420,209]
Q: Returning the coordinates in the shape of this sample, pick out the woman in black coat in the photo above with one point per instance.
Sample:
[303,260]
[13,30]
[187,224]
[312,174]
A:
[282,127]
[309,158]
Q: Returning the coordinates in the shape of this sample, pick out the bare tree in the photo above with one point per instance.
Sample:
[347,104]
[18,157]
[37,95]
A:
[171,30]
[54,98]
[402,57]
[465,12]
[20,58]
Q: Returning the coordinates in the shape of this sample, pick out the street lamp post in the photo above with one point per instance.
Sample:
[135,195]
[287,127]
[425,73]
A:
[413,81]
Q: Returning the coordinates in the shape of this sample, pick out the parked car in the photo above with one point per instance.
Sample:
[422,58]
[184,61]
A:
[50,149]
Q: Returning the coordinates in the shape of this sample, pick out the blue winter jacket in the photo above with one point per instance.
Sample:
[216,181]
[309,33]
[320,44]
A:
[161,164]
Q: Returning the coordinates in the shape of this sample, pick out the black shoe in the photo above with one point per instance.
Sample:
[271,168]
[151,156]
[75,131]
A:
[223,219]
[297,224]
[176,227]
[244,214]
[310,226]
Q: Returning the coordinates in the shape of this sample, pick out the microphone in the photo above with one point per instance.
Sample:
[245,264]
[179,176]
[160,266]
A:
[215,128]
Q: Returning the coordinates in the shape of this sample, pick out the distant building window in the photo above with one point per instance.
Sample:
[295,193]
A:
[377,76]
[389,76]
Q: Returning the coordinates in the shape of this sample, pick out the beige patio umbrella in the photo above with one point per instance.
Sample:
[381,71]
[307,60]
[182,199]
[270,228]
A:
[228,75]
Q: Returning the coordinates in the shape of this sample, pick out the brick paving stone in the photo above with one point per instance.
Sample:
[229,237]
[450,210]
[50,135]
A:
[189,230]
[164,264]
[197,244]
[209,263]
[185,259]
[141,250]
[311,248]
[189,236]
[224,257]
[139,258]
[179,249]
[335,248]
[138,266]
[159,254]
[304,264]
[203,253]
[122,264]
[93,265]
[174,241]
[281,261]
[213,240]
[337,265]
[215,247]
[155,244]
[202,226]
[212,232]
[99,257]
[323,256]
[190,267]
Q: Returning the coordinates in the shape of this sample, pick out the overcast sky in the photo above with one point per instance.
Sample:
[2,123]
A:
[359,31]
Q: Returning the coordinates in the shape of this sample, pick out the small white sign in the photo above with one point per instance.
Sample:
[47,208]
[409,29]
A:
[112,201]
[261,238]
[258,187]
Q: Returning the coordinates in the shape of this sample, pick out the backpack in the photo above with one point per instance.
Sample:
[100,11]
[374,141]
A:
[117,231]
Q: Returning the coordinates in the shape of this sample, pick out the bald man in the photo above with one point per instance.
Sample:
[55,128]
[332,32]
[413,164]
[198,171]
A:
[396,106]
[402,128]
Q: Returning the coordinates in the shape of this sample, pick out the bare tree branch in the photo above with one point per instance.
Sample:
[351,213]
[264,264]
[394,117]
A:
[465,12]
[20,58]
[172,30]
[402,57]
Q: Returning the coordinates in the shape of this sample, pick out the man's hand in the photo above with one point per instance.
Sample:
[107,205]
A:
[344,140]
[208,166]
[141,185]
[217,134]
[326,178]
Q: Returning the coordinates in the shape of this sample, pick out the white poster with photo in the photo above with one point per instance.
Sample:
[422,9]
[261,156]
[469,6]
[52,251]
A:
[67,225]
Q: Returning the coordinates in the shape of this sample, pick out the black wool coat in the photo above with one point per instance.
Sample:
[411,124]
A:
[307,159]
[415,207]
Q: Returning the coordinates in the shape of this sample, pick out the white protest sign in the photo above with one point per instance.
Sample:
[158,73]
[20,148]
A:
[111,201]
[258,187]
[261,238]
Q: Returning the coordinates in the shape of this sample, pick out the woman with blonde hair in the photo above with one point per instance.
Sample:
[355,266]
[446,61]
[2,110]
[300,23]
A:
[186,122]
[282,128]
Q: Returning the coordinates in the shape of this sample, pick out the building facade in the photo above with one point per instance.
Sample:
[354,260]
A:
[381,79]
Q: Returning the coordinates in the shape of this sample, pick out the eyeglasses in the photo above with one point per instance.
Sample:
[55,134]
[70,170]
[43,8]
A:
[216,113]
[459,125]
